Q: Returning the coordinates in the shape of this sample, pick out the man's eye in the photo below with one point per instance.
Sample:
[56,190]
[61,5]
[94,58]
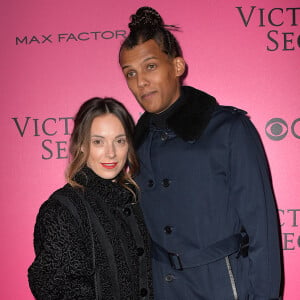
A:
[130,74]
[151,66]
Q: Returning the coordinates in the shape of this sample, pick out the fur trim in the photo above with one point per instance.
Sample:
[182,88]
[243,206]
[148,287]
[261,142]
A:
[188,121]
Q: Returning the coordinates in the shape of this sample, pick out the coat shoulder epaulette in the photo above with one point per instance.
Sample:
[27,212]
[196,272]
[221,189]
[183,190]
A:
[233,110]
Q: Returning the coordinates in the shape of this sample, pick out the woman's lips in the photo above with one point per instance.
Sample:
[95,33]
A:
[109,165]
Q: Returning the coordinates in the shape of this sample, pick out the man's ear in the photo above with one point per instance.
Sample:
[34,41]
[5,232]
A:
[179,64]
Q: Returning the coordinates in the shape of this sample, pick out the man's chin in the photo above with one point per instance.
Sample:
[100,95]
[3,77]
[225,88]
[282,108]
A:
[151,110]
[147,108]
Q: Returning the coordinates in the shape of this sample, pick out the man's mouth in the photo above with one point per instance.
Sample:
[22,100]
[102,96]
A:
[146,96]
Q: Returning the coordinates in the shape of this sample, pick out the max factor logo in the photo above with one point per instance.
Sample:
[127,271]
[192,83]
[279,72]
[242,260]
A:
[277,129]
[69,37]
[275,17]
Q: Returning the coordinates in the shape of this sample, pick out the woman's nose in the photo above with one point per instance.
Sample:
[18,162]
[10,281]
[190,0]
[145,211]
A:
[110,151]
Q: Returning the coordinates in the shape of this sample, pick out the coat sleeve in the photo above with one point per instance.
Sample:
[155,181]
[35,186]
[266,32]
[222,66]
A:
[60,268]
[252,192]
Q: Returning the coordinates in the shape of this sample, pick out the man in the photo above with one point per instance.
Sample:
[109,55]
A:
[205,184]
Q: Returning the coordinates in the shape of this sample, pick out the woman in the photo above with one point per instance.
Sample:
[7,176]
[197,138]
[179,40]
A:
[90,240]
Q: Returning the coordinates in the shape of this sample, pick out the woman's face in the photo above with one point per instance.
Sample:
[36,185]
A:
[108,146]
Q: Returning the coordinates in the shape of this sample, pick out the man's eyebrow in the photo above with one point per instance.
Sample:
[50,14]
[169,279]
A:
[146,59]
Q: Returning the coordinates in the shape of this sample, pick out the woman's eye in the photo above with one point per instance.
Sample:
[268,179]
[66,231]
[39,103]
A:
[121,141]
[97,142]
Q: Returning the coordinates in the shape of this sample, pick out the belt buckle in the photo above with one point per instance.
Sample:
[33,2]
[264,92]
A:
[173,258]
[244,245]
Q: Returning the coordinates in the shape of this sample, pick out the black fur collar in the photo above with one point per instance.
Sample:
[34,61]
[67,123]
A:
[188,121]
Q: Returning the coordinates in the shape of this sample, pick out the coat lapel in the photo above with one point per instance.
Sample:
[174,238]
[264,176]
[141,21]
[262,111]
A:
[188,121]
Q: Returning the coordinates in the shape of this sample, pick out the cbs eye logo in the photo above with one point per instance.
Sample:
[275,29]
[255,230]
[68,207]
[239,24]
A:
[277,129]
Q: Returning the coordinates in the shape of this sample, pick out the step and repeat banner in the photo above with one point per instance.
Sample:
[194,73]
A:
[55,54]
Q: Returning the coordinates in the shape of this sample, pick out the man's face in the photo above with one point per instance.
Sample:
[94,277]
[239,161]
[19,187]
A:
[152,76]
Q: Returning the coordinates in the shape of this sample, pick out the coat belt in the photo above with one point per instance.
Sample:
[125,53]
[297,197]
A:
[237,243]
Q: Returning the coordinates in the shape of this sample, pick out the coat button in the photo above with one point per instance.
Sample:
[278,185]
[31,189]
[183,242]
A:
[166,182]
[150,183]
[140,251]
[164,136]
[169,277]
[168,229]
[127,211]
[143,292]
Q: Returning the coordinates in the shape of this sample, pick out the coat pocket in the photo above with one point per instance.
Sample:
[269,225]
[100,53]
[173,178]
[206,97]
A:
[231,278]
[223,278]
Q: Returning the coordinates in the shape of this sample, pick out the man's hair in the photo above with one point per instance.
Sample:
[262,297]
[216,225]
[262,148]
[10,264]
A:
[147,24]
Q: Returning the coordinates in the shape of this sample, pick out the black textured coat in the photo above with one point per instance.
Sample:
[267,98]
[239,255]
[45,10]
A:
[63,267]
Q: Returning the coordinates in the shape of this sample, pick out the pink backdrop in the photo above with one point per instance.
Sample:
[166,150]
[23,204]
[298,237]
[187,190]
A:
[56,54]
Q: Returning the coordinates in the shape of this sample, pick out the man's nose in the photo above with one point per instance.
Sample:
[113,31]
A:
[142,81]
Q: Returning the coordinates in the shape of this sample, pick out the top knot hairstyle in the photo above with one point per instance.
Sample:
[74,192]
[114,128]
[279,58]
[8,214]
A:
[147,24]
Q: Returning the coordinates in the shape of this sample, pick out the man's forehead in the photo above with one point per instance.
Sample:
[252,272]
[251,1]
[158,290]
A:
[141,53]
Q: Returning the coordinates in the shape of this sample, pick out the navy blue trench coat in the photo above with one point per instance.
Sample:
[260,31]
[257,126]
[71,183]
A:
[203,181]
